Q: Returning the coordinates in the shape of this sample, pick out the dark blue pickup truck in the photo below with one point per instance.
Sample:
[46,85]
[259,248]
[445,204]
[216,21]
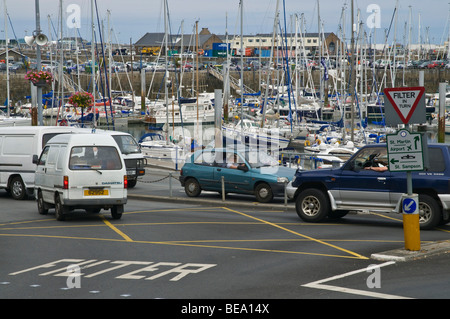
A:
[364,183]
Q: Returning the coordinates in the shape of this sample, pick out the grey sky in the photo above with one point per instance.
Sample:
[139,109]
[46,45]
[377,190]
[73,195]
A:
[133,18]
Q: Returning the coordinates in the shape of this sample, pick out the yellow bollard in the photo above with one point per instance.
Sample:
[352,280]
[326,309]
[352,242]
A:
[411,226]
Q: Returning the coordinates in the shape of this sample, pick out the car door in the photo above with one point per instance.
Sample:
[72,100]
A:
[203,167]
[360,185]
[235,180]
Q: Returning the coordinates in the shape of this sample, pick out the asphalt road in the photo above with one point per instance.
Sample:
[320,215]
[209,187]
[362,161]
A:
[209,252]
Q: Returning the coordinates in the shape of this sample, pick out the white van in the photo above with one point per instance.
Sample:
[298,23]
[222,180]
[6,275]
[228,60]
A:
[17,146]
[80,171]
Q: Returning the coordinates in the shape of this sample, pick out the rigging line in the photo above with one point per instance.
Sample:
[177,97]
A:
[18,44]
[106,77]
[288,79]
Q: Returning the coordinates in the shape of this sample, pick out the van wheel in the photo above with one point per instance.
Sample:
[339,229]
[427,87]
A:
[263,193]
[60,210]
[17,188]
[116,211]
[42,206]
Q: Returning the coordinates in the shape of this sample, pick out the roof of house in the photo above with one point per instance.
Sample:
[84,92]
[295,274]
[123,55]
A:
[12,50]
[156,39]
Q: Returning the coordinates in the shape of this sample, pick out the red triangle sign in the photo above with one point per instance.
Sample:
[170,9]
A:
[404,100]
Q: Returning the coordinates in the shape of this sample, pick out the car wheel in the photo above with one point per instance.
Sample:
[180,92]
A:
[42,206]
[116,211]
[263,193]
[60,209]
[429,212]
[17,188]
[192,187]
[312,205]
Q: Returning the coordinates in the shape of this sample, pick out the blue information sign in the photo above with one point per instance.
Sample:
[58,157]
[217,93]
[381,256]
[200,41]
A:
[409,206]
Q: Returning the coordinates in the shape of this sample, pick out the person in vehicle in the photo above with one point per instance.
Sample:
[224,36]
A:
[233,162]
[377,168]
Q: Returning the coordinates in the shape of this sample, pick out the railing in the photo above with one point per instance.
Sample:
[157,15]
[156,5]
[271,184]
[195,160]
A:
[234,83]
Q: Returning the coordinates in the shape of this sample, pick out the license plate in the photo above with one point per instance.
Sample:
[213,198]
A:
[95,192]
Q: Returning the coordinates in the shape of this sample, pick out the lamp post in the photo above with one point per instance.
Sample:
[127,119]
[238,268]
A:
[38,64]
[40,39]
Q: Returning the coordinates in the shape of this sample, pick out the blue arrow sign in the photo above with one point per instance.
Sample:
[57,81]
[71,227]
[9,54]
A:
[409,205]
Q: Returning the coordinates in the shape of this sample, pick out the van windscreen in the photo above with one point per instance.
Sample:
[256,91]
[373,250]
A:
[127,144]
[94,157]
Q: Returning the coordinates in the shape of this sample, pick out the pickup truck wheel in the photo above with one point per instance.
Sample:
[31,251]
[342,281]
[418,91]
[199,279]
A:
[429,212]
[131,183]
[192,187]
[312,205]
[263,193]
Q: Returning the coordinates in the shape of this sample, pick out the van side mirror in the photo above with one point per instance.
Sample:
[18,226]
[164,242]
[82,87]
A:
[35,159]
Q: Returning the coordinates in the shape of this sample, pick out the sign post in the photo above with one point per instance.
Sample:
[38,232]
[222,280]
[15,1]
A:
[405,152]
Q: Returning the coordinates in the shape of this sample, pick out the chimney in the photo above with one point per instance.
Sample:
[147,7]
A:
[204,31]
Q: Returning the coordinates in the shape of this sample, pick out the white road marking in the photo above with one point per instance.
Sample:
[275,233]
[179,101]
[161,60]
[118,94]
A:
[319,285]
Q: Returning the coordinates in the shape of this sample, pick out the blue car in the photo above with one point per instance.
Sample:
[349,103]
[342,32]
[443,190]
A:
[243,171]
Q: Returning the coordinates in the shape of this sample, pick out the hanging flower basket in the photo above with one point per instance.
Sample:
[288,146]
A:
[82,99]
[39,78]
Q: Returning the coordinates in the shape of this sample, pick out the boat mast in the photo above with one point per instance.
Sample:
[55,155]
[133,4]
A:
[353,74]
[448,38]
[197,75]
[61,57]
[319,60]
[51,63]
[7,61]
[275,22]
[166,78]
[394,69]
[241,84]
[226,76]
[92,57]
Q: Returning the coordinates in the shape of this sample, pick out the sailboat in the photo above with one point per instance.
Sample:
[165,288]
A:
[182,114]
[154,146]
[248,133]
